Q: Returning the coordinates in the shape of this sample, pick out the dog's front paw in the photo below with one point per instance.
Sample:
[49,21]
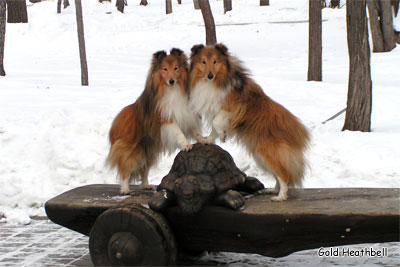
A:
[206,140]
[124,191]
[222,137]
[278,198]
[186,146]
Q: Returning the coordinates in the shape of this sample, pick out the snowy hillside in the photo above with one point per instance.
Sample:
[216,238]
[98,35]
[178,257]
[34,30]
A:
[53,132]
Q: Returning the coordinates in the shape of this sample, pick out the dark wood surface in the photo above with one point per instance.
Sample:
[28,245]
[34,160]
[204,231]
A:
[310,218]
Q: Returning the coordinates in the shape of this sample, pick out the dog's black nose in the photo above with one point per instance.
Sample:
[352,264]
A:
[171,81]
[210,76]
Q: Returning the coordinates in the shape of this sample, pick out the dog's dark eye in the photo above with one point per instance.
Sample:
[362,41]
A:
[176,68]
[215,62]
[204,62]
[165,69]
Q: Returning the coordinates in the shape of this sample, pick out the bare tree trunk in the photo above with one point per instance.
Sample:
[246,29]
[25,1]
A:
[334,4]
[120,4]
[395,5]
[314,41]
[381,23]
[2,35]
[264,2]
[196,4]
[143,3]
[168,6]
[387,25]
[376,33]
[59,6]
[397,36]
[359,96]
[81,40]
[16,11]
[66,4]
[227,5]
[211,36]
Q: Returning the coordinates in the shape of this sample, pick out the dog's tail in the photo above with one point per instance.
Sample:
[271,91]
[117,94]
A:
[125,157]
[292,154]
[295,163]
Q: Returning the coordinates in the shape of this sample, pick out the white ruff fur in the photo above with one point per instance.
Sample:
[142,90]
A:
[206,100]
[174,107]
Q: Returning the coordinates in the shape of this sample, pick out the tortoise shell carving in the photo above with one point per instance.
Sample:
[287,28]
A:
[204,175]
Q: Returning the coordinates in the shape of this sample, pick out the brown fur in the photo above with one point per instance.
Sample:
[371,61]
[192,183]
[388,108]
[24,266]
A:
[135,134]
[271,134]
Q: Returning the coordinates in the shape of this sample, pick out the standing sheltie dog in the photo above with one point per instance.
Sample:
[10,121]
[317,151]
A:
[235,106]
[160,120]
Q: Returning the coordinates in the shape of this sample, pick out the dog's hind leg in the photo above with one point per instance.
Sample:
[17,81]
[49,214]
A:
[272,157]
[274,190]
[125,179]
[283,188]
[144,174]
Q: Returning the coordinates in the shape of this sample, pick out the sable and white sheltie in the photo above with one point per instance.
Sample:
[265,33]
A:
[235,106]
[160,120]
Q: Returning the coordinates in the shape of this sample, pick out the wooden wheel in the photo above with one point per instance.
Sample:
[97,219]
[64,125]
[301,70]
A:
[127,236]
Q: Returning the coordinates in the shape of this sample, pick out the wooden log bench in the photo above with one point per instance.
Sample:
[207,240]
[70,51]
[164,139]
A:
[122,230]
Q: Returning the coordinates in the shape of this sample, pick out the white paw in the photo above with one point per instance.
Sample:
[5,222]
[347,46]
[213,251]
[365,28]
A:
[207,140]
[124,187]
[186,146]
[124,191]
[222,137]
[278,198]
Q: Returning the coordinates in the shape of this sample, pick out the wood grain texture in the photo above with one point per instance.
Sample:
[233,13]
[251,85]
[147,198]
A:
[310,218]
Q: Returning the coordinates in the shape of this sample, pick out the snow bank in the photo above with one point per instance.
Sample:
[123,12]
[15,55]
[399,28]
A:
[53,132]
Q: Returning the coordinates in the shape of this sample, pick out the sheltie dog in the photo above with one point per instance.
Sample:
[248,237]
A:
[160,120]
[235,106]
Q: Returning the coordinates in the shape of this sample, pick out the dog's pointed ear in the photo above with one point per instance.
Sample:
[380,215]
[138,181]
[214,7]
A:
[222,49]
[180,55]
[176,52]
[196,49]
[159,55]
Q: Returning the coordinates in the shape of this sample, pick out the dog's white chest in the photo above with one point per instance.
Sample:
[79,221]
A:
[206,99]
[174,106]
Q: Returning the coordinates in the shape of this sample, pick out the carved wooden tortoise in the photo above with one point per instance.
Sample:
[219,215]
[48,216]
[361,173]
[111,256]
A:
[205,174]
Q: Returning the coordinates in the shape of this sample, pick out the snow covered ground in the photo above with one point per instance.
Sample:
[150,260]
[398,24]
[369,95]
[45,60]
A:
[53,132]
